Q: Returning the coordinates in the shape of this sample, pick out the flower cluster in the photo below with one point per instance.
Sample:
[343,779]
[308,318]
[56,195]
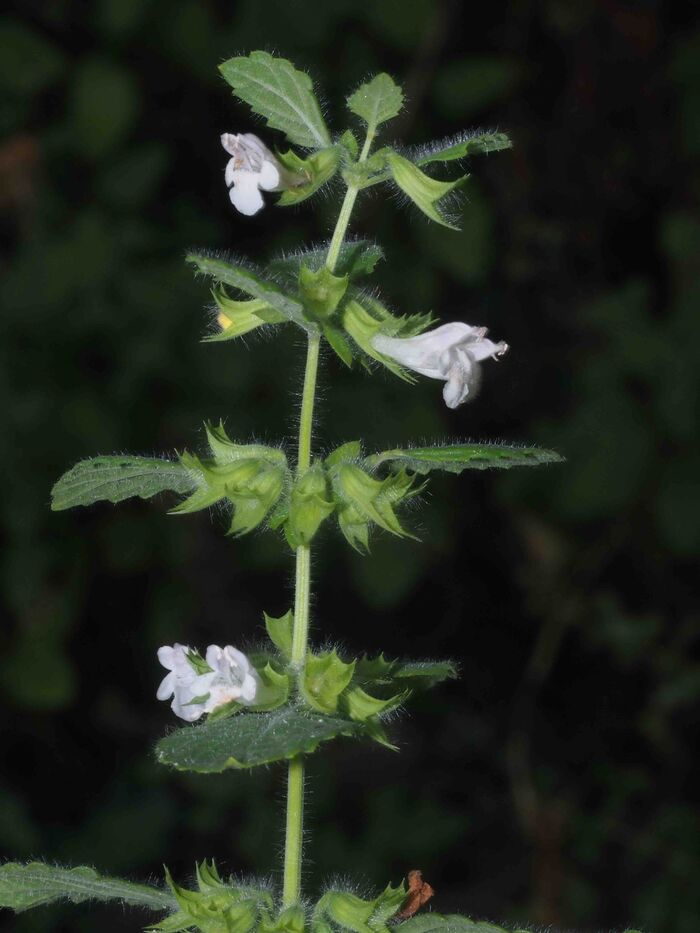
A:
[200,685]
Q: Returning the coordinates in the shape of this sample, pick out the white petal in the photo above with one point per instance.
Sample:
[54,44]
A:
[166,656]
[167,687]
[245,196]
[269,177]
[237,659]
[189,713]
[229,173]
[249,688]
[230,142]
[214,657]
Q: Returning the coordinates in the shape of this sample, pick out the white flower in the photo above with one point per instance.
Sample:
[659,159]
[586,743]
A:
[452,353]
[253,167]
[183,683]
[195,691]
[233,678]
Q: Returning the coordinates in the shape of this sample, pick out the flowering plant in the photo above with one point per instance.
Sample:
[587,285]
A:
[279,704]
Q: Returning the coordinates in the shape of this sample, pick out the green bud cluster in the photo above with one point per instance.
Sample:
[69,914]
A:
[344,484]
[250,477]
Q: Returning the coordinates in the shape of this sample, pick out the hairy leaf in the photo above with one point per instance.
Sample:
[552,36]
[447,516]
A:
[117,478]
[448,150]
[281,94]
[377,101]
[36,884]
[250,739]
[253,284]
[453,458]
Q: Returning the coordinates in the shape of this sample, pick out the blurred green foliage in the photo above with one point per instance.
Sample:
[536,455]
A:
[556,781]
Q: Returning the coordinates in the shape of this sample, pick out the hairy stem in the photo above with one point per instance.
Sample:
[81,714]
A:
[302,591]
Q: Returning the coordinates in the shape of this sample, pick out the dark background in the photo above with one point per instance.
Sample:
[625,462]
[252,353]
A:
[555,782]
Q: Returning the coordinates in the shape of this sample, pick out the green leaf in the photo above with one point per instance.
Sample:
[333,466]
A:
[281,94]
[117,478]
[452,923]
[321,291]
[36,884]
[317,169]
[461,147]
[399,675]
[453,458]
[280,631]
[338,343]
[252,284]
[379,100]
[424,191]
[350,144]
[250,739]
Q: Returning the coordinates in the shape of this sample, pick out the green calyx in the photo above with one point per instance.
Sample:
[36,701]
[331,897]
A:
[251,477]
[216,906]
[365,318]
[236,318]
[321,291]
[323,680]
[315,170]
[309,505]
[350,912]
[363,500]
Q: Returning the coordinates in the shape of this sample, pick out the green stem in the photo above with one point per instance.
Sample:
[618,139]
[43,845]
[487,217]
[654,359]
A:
[302,592]
[341,227]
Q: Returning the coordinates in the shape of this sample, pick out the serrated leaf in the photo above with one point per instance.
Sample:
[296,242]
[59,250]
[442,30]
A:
[280,93]
[451,923]
[36,884]
[114,479]
[400,675]
[454,458]
[449,150]
[425,192]
[250,739]
[253,284]
[377,101]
